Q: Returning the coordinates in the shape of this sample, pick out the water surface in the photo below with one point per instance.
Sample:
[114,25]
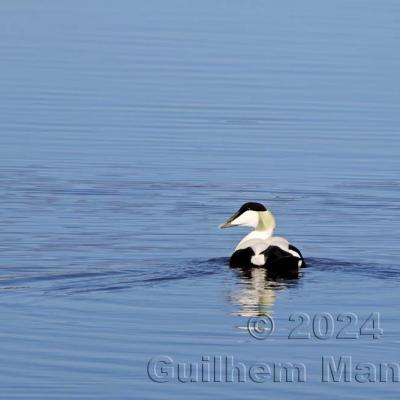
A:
[130,130]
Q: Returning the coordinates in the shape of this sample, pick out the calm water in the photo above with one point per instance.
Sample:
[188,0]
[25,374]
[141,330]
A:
[130,130]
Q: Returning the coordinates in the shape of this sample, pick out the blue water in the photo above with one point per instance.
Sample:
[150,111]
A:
[130,130]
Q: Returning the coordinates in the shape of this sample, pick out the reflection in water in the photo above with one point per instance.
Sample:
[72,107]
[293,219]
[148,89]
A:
[256,291]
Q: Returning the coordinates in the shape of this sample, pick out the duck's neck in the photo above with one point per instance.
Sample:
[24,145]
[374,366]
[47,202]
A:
[263,230]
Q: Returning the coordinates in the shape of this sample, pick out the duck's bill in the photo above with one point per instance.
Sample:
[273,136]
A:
[229,222]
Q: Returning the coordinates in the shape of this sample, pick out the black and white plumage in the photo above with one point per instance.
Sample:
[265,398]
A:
[259,248]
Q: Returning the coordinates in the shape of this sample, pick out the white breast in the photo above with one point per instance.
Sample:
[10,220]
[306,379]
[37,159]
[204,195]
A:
[254,237]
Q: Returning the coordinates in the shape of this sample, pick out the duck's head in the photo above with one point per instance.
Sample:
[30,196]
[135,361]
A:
[253,215]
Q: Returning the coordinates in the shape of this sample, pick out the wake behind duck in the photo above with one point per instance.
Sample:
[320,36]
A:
[259,248]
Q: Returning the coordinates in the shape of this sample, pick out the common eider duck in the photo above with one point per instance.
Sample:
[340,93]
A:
[259,248]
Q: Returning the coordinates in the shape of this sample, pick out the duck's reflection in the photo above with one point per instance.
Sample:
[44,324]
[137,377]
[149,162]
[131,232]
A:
[256,290]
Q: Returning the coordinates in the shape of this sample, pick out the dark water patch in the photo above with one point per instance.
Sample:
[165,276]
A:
[372,270]
[156,273]
[113,279]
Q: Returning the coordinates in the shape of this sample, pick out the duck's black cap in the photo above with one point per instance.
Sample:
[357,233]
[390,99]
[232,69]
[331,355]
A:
[251,206]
